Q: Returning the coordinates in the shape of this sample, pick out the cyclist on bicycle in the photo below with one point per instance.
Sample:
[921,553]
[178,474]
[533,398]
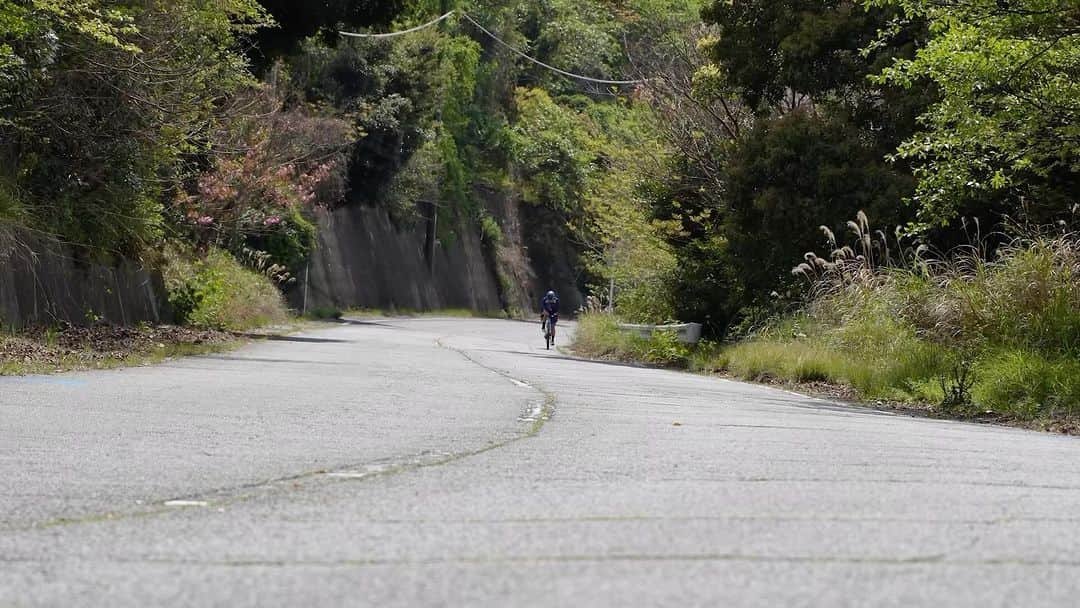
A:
[549,311]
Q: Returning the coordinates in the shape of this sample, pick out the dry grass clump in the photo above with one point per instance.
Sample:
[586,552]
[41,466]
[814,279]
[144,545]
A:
[1009,321]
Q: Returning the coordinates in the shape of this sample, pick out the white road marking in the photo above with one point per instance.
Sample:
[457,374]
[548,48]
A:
[371,469]
[186,503]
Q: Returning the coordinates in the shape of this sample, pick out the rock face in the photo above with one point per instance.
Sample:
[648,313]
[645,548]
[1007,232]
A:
[533,255]
[364,261]
[44,281]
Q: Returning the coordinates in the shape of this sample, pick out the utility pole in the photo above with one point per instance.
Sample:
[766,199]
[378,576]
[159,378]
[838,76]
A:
[432,235]
[307,273]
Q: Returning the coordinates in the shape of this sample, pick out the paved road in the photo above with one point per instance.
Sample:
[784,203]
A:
[454,462]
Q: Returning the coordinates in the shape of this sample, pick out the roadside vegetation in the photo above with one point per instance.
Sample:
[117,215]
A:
[972,331]
[214,291]
[947,123]
[968,334]
[598,335]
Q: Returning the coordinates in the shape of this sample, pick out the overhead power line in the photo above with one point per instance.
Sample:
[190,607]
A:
[502,42]
[401,33]
[542,64]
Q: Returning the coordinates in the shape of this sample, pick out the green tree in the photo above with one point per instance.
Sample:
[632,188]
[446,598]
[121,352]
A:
[1004,136]
[551,146]
[780,131]
[788,176]
[114,103]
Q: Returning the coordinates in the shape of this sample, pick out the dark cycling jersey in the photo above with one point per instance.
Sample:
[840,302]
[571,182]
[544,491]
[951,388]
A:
[550,306]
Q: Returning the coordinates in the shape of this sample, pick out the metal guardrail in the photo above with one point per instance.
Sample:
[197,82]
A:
[687,333]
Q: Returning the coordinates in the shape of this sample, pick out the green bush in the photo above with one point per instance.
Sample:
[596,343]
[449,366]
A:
[490,230]
[905,333]
[324,313]
[646,302]
[217,292]
[662,348]
[598,335]
[1028,384]
[289,244]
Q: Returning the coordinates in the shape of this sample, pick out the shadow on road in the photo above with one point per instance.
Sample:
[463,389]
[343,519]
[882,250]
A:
[273,360]
[580,360]
[302,339]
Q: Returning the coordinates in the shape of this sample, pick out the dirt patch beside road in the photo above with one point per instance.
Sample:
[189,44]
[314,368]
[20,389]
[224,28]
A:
[57,349]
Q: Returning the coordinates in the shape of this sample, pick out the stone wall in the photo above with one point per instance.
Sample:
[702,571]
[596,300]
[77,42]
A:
[44,281]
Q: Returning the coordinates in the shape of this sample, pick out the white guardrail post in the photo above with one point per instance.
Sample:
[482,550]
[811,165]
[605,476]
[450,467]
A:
[688,333]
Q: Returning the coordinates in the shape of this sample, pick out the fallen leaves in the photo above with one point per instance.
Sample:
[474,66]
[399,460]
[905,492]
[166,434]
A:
[69,346]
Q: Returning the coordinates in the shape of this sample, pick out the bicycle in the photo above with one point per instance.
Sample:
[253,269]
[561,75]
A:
[547,326]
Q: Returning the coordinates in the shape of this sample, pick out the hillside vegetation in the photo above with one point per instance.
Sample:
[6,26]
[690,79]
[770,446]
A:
[131,127]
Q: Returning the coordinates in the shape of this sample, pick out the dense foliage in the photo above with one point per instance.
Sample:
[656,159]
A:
[106,105]
[1004,133]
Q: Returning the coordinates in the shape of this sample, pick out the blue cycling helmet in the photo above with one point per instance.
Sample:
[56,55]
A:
[550,294]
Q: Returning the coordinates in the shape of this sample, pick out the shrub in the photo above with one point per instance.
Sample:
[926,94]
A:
[1029,384]
[217,292]
[662,348]
[598,335]
[324,313]
[490,231]
[648,301]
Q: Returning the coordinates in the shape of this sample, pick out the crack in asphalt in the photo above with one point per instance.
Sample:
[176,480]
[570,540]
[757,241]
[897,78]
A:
[217,499]
[856,480]
[989,521]
[937,559]
[547,409]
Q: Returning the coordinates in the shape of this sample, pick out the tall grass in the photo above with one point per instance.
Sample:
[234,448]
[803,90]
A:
[968,331]
[1010,322]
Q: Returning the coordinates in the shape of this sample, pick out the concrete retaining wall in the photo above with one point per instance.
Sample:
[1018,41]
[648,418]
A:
[44,281]
[363,261]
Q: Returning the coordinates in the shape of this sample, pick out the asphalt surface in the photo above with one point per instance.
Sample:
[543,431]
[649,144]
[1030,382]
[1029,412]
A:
[456,462]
